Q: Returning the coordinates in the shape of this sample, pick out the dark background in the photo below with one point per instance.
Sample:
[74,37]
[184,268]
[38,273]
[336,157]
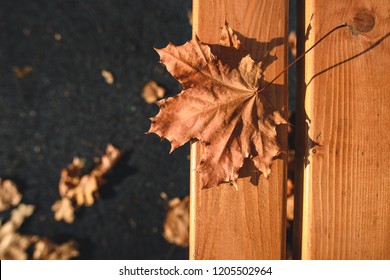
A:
[64,108]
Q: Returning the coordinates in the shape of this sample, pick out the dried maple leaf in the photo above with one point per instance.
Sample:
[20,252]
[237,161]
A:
[63,210]
[176,224]
[85,192]
[107,162]
[220,105]
[70,177]
[47,250]
[292,43]
[57,36]
[13,246]
[189,15]
[21,72]
[290,208]
[108,76]
[82,189]
[9,194]
[152,92]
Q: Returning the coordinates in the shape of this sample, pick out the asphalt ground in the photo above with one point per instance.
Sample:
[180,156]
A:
[64,108]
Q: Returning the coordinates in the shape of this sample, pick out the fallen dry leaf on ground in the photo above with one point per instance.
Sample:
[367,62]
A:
[9,194]
[292,43]
[290,185]
[108,77]
[86,191]
[163,195]
[70,177]
[21,72]
[290,208]
[77,189]
[57,36]
[47,250]
[152,92]
[63,210]
[13,246]
[108,161]
[221,105]
[176,224]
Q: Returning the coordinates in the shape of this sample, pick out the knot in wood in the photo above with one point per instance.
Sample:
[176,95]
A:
[363,21]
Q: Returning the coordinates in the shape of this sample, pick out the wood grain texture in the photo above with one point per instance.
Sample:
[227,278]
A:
[247,222]
[346,181]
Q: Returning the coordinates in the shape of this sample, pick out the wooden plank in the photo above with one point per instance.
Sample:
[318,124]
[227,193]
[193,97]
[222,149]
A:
[247,222]
[346,182]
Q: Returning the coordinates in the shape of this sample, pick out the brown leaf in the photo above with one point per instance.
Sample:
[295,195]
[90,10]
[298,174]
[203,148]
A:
[63,210]
[290,187]
[70,177]
[19,214]
[189,15]
[292,43]
[47,250]
[291,172]
[176,224]
[13,246]
[57,36]
[85,191]
[9,194]
[82,189]
[164,195]
[152,92]
[229,39]
[220,105]
[108,77]
[21,72]
[290,208]
[108,160]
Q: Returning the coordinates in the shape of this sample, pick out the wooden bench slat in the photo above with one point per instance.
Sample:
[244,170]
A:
[346,178]
[247,222]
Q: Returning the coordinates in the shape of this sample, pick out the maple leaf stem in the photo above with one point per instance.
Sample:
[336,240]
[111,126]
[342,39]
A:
[302,55]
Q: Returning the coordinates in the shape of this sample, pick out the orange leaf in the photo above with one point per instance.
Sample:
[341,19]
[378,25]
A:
[220,105]
[176,224]
[152,92]
[82,189]
[9,194]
